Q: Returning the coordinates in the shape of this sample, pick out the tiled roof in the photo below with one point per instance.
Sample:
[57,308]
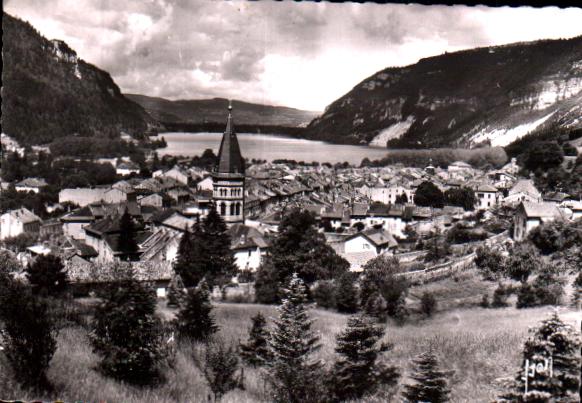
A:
[32,182]
[525,186]
[24,215]
[541,210]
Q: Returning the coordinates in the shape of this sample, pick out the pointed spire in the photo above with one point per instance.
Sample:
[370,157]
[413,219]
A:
[229,156]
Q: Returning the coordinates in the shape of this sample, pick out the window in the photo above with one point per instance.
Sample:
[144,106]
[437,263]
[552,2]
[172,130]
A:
[238,209]
[232,209]
[222,208]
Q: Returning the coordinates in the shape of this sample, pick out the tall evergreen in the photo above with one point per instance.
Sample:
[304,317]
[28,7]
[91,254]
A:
[221,365]
[293,374]
[47,275]
[357,372]
[298,248]
[430,383]
[346,294]
[127,244]
[194,320]
[220,259]
[255,351]
[176,291]
[558,341]
[127,334]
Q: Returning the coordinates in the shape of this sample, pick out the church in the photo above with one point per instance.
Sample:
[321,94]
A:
[228,179]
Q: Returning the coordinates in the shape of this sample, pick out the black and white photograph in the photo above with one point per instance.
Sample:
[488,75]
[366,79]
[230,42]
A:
[216,201]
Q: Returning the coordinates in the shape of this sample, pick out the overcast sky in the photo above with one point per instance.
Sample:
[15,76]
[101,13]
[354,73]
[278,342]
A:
[303,55]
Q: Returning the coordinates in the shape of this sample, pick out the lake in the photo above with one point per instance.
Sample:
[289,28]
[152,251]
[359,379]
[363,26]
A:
[270,147]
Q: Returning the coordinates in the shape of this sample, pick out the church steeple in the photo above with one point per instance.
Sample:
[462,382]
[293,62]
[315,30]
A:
[230,160]
[229,177]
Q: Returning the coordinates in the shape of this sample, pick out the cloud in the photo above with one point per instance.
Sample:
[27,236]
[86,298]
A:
[303,55]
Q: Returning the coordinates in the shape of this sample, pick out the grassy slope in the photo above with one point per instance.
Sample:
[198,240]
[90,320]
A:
[479,345]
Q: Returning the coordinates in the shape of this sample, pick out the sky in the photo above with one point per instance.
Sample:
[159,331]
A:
[302,55]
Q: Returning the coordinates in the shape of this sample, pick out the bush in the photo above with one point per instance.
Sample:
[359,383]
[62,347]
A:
[490,263]
[346,294]
[428,304]
[194,320]
[220,367]
[324,294]
[485,301]
[526,296]
[47,275]
[499,297]
[128,336]
[255,351]
[29,333]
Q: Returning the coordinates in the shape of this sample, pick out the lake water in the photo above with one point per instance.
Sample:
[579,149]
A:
[270,147]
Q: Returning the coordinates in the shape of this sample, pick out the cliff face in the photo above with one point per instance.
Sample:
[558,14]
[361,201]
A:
[488,95]
[48,92]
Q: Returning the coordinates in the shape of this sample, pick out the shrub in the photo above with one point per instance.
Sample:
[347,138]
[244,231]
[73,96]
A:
[346,294]
[526,296]
[220,367]
[577,292]
[128,336]
[430,382]
[255,351]
[485,301]
[490,263]
[428,304]
[194,320]
[499,297]
[523,261]
[176,291]
[47,275]
[324,294]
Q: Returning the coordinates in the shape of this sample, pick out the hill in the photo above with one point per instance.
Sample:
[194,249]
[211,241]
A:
[209,111]
[49,92]
[491,95]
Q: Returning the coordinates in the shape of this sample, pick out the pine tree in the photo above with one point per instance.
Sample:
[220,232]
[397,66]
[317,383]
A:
[556,341]
[127,243]
[346,294]
[376,307]
[220,367]
[430,384]
[293,374]
[255,351]
[191,261]
[47,275]
[194,320]
[176,291]
[357,372]
[127,334]
[428,304]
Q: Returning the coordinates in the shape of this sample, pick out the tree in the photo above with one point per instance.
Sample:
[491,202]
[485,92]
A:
[324,294]
[490,263]
[577,291]
[255,351]
[293,374]
[47,275]
[543,156]
[346,294]
[430,383]
[194,320]
[221,265]
[522,261]
[428,304]
[298,248]
[428,195]
[357,372]
[380,279]
[127,242]
[176,291]
[127,334]
[190,263]
[437,247]
[220,367]
[499,297]
[556,341]
[461,197]
[28,332]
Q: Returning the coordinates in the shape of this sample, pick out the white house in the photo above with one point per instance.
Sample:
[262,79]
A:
[486,196]
[126,168]
[249,246]
[359,248]
[16,222]
[530,215]
[205,184]
[31,185]
[178,174]
[82,196]
[524,190]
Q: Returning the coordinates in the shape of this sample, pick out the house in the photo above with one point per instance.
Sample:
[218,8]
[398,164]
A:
[126,168]
[20,221]
[249,246]
[153,199]
[178,174]
[486,196]
[359,248]
[459,166]
[205,184]
[104,236]
[530,215]
[575,206]
[82,196]
[524,190]
[31,185]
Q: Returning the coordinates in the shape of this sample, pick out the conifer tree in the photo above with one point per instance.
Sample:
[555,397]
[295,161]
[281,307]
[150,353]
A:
[255,351]
[127,334]
[47,275]
[221,265]
[176,291]
[556,341]
[220,367]
[194,320]
[293,374]
[357,372]
[127,242]
[192,260]
[577,291]
[346,294]
[430,383]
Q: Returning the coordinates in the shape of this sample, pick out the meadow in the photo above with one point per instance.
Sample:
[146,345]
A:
[480,346]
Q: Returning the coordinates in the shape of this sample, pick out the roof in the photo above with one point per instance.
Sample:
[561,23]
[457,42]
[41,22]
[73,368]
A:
[378,236]
[462,164]
[230,160]
[179,222]
[127,165]
[32,182]
[541,210]
[525,186]
[24,215]
[358,259]
[484,187]
[82,249]
[245,237]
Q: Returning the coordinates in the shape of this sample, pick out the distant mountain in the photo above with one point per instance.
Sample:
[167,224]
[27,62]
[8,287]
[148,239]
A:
[208,111]
[491,95]
[48,92]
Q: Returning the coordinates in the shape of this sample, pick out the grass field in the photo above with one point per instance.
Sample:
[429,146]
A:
[480,345]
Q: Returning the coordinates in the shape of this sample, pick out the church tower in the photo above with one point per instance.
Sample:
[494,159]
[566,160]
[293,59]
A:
[229,177]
